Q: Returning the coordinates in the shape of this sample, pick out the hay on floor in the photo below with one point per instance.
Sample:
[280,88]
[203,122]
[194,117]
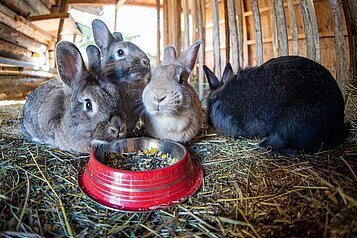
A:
[246,192]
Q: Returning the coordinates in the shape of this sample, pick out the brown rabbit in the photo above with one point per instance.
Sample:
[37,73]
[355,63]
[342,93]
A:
[172,108]
[125,62]
[76,109]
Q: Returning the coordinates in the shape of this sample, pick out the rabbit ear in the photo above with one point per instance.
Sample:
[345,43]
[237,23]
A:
[94,60]
[188,58]
[70,63]
[169,54]
[212,79]
[102,36]
[227,73]
[118,36]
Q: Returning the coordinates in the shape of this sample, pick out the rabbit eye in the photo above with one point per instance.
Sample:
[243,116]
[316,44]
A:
[181,78]
[120,52]
[88,105]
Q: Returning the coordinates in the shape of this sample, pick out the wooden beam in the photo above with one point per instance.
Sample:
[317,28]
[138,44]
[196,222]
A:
[216,38]
[186,39]
[274,29]
[233,34]
[340,45]
[293,27]
[258,32]
[226,30]
[315,30]
[201,52]
[95,2]
[281,24]
[20,7]
[38,7]
[15,37]
[241,34]
[158,33]
[165,11]
[310,47]
[60,15]
[9,50]
[350,9]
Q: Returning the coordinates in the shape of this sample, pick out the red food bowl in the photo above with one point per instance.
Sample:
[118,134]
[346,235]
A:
[143,190]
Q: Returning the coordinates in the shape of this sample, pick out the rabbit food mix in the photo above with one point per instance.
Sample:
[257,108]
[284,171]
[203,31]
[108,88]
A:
[140,160]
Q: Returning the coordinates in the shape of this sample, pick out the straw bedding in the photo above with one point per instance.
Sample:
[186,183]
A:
[247,192]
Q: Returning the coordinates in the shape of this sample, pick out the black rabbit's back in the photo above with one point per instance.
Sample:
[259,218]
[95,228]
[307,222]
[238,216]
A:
[293,100]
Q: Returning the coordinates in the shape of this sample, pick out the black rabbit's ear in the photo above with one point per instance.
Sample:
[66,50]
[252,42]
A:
[188,58]
[118,36]
[70,63]
[227,73]
[212,79]
[169,54]
[94,60]
[102,36]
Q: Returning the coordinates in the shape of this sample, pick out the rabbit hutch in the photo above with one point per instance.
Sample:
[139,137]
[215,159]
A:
[246,191]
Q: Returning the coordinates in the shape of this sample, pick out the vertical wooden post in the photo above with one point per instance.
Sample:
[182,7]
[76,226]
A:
[194,20]
[186,41]
[240,34]
[274,29]
[201,53]
[62,8]
[310,47]
[233,34]
[350,9]
[216,40]
[315,29]
[339,42]
[177,25]
[158,34]
[283,35]
[258,32]
[226,30]
[165,11]
[293,26]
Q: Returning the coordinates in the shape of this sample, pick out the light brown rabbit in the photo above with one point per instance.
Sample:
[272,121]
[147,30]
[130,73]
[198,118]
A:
[127,64]
[172,108]
[76,109]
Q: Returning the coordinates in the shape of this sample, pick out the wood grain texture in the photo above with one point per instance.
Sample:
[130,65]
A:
[257,32]
[281,24]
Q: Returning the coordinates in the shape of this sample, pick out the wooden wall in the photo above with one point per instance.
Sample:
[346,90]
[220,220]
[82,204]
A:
[325,30]
[263,29]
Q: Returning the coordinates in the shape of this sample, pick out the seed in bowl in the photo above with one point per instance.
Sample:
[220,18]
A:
[149,159]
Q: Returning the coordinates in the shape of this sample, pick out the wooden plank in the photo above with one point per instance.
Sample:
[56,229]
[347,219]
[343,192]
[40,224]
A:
[226,30]
[310,47]
[62,9]
[258,32]
[293,27]
[350,9]
[48,3]
[194,20]
[186,41]
[165,11]
[233,34]
[158,34]
[216,39]
[177,25]
[281,23]
[15,37]
[96,2]
[315,29]
[201,53]
[9,50]
[38,7]
[274,29]
[20,7]
[339,43]
[240,29]
[25,28]
[49,16]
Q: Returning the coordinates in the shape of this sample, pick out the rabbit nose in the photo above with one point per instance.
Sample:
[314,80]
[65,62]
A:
[159,99]
[145,62]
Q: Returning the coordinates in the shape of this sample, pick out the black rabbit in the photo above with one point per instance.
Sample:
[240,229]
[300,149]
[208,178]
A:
[292,101]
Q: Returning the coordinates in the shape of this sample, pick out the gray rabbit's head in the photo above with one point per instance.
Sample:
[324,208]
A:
[121,59]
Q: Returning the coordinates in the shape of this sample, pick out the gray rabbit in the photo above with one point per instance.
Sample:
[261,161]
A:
[125,62]
[77,109]
[172,108]
[292,101]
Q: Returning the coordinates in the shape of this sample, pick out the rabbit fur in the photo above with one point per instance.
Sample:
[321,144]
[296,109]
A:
[292,101]
[125,62]
[77,109]
[172,108]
